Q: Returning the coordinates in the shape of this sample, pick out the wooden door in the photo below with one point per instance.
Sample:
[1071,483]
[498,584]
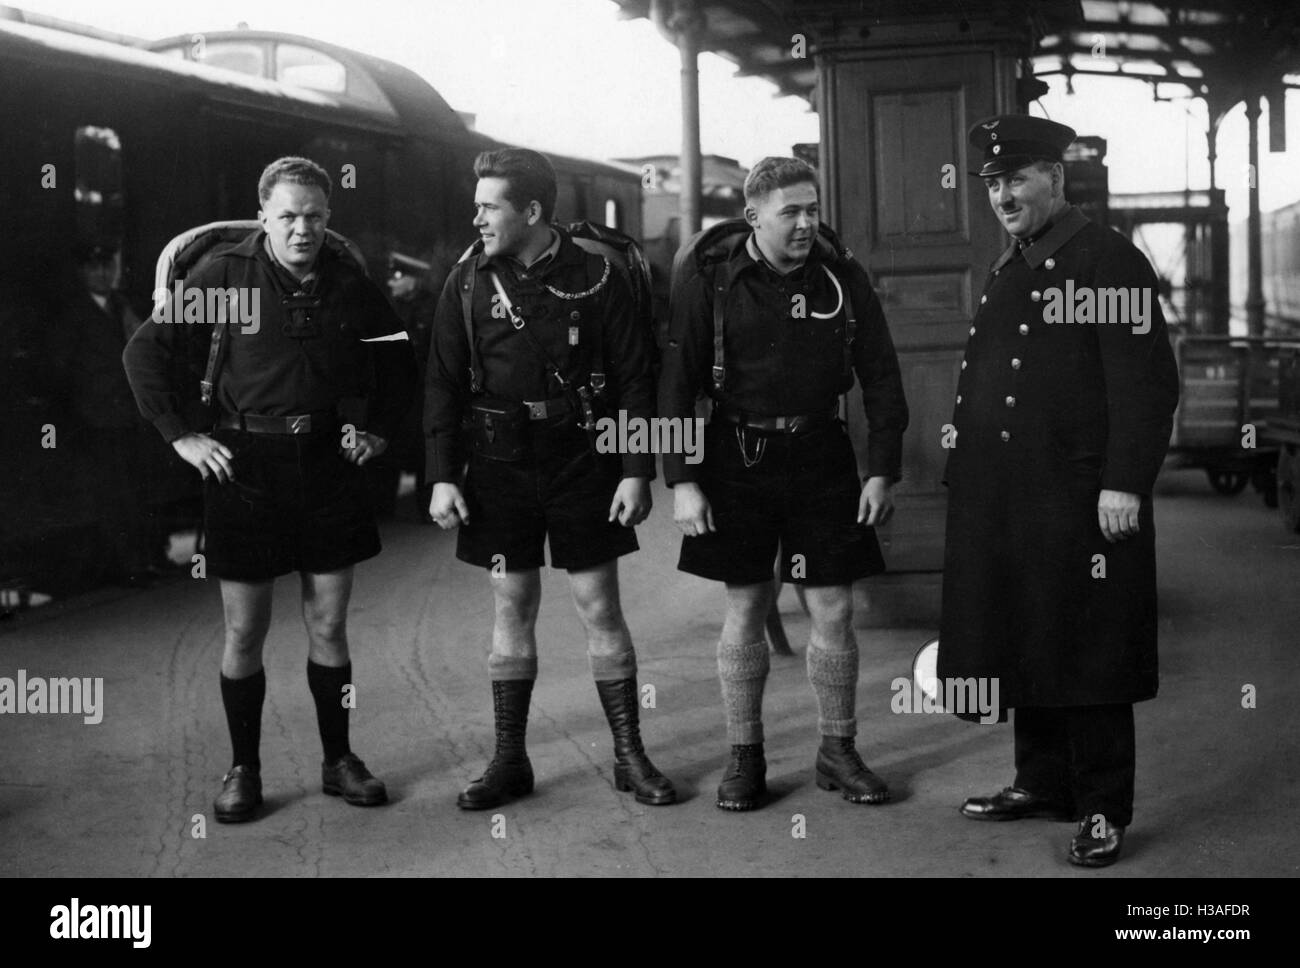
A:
[898,191]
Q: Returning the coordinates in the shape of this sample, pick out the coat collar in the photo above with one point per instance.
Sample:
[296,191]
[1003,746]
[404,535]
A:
[1063,230]
[254,247]
[749,255]
[567,253]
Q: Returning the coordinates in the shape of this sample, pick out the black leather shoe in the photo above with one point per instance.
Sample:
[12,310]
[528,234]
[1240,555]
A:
[1013,803]
[509,774]
[633,770]
[240,796]
[839,767]
[348,778]
[1089,850]
[744,784]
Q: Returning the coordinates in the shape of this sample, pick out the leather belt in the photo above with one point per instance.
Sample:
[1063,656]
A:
[796,424]
[546,409]
[322,421]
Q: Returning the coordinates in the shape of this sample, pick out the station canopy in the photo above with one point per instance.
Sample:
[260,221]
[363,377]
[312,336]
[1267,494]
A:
[1223,50]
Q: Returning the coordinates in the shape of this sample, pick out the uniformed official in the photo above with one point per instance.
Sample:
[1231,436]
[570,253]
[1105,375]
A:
[283,483]
[533,339]
[414,305]
[778,468]
[1063,413]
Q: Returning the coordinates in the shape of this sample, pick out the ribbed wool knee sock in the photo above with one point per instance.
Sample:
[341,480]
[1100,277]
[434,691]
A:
[326,684]
[620,665]
[242,699]
[742,671]
[512,667]
[834,678]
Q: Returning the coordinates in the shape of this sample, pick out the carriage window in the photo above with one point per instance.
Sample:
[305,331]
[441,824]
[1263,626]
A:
[611,212]
[238,56]
[97,156]
[304,67]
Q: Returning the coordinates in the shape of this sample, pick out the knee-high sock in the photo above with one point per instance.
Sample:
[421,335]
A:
[242,699]
[742,671]
[326,684]
[834,678]
[512,667]
[620,665]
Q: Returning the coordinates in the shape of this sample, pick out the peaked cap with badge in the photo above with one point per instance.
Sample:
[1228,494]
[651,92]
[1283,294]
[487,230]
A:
[1008,142]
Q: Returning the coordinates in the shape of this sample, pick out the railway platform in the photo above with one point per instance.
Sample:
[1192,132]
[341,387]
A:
[128,796]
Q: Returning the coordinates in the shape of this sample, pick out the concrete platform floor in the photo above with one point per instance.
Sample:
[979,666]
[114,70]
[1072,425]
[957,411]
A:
[1217,783]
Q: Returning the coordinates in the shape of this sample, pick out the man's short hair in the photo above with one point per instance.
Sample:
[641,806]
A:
[528,175]
[772,173]
[300,171]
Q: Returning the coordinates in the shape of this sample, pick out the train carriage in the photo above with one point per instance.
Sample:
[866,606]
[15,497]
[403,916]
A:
[117,141]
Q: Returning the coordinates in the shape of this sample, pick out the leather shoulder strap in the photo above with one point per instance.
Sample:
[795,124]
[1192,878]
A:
[216,346]
[721,286]
[466,283]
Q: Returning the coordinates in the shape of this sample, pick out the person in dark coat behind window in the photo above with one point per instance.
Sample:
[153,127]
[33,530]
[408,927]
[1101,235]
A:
[84,347]
[284,487]
[1062,418]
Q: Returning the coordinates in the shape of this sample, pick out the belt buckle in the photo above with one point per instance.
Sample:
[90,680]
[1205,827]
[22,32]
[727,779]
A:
[300,424]
[536,409]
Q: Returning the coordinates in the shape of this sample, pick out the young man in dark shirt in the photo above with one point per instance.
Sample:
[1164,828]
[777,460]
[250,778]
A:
[283,486]
[531,336]
[778,467]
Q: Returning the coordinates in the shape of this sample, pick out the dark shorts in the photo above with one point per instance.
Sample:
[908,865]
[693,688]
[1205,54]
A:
[295,505]
[801,496]
[563,492]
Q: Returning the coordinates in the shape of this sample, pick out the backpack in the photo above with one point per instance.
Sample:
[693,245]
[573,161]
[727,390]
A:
[197,246]
[620,251]
[716,245]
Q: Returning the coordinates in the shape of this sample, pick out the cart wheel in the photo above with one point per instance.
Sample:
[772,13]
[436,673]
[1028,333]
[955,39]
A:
[1288,487]
[1227,482]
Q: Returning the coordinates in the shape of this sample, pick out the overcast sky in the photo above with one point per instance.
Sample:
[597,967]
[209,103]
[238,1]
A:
[568,75]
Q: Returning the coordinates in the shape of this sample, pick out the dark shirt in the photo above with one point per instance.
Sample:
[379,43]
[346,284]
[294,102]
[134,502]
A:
[512,367]
[286,362]
[778,364]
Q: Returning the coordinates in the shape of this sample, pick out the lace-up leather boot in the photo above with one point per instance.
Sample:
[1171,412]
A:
[745,783]
[839,767]
[632,768]
[509,774]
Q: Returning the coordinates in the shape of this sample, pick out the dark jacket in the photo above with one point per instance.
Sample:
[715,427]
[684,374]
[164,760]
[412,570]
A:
[85,346]
[512,367]
[1046,416]
[279,366]
[779,359]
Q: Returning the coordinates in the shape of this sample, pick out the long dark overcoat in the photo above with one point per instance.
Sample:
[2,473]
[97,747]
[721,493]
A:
[1048,414]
